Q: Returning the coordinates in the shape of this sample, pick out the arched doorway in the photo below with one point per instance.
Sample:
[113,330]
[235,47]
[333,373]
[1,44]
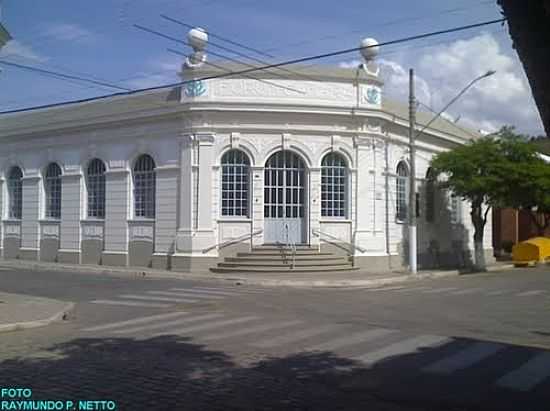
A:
[284,198]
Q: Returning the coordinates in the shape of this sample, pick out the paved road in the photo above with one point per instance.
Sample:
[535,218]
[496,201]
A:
[472,342]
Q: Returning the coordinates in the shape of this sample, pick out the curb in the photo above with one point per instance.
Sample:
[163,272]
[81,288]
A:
[391,279]
[23,325]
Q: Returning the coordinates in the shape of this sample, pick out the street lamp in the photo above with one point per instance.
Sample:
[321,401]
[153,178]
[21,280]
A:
[412,137]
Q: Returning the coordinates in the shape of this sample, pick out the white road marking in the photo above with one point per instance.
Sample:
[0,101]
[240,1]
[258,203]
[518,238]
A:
[378,289]
[251,330]
[210,326]
[201,291]
[169,324]
[141,320]
[496,292]
[466,291]
[530,293]
[185,295]
[231,290]
[464,358]
[529,375]
[130,303]
[152,298]
[407,346]
[352,339]
[439,290]
[293,337]
[406,290]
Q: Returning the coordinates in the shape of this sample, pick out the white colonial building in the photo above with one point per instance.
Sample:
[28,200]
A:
[180,177]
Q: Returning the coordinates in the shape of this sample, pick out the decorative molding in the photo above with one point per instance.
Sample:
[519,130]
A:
[235,138]
[141,230]
[205,139]
[92,230]
[49,229]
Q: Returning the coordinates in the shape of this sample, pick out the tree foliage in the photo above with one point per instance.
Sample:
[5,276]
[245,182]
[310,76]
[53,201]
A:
[498,170]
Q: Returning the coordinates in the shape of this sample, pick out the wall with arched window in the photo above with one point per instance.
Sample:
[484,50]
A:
[334,186]
[144,179]
[15,193]
[235,184]
[95,184]
[53,191]
[430,195]
[401,190]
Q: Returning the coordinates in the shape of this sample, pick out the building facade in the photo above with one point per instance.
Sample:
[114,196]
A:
[180,177]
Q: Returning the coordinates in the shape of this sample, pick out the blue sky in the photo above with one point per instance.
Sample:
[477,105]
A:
[97,39]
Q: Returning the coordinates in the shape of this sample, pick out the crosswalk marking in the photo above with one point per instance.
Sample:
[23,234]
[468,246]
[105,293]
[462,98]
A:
[466,291]
[201,291]
[141,320]
[153,298]
[186,295]
[352,339]
[530,293]
[529,375]
[403,347]
[210,326]
[251,330]
[293,337]
[406,290]
[173,323]
[231,290]
[379,289]
[130,303]
[439,290]
[464,358]
[496,292]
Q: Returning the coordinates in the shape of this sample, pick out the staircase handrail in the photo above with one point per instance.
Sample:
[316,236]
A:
[320,233]
[237,240]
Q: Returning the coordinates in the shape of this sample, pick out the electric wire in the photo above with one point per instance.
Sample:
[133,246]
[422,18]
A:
[281,64]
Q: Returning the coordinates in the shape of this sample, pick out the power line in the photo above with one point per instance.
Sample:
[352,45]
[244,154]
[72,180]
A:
[166,36]
[216,36]
[61,75]
[285,63]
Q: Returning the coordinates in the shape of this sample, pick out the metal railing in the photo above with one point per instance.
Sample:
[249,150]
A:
[290,244]
[233,241]
[319,233]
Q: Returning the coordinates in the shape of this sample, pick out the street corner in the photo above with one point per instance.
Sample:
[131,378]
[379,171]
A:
[20,311]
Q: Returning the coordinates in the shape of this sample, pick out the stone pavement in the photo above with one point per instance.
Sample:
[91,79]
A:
[18,311]
[361,279]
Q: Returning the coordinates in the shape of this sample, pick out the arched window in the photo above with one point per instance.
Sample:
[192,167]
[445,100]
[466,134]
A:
[235,184]
[333,186]
[430,195]
[401,191]
[15,193]
[455,208]
[95,179]
[52,186]
[144,187]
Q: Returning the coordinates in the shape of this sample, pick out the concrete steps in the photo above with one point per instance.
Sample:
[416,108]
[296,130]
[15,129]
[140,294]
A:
[279,259]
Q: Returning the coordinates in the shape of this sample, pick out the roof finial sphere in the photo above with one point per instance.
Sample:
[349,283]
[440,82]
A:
[197,38]
[370,50]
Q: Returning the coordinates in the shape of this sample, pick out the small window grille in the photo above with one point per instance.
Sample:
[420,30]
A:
[15,193]
[52,185]
[235,184]
[333,186]
[96,189]
[144,187]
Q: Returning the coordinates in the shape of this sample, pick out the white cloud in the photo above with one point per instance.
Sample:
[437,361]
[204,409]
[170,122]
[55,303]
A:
[17,49]
[442,71]
[69,32]
[350,64]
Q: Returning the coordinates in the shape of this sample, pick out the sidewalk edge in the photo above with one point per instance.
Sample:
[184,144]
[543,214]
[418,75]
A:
[23,325]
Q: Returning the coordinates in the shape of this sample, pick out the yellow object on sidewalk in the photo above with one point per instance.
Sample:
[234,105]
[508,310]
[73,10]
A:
[532,251]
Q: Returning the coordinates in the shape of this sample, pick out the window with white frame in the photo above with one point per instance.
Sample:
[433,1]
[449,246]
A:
[454,208]
[235,184]
[430,195]
[15,193]
[334,174]
[95,181]
[144,187]
[401,191]
[52,188]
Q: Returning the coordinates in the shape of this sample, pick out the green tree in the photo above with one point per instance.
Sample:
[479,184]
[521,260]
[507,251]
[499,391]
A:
[498,170]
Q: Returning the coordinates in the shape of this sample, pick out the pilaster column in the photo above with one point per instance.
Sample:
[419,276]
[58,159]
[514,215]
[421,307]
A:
[30,227]
[204,189]
[185,221]
[314,205]
[117,188]
[69,241]
[257,203]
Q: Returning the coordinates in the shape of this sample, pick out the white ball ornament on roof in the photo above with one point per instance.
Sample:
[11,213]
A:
[197,38]
[370,49]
